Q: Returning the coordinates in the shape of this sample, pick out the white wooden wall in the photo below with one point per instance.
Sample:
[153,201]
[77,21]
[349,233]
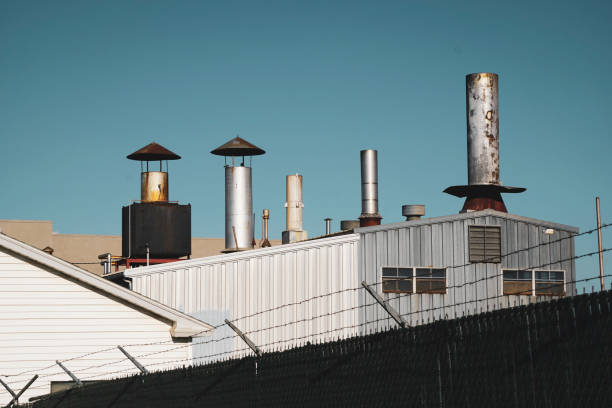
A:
[236,285]
[45,317]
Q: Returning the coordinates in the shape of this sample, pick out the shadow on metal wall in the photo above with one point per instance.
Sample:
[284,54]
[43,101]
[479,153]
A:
[550,354]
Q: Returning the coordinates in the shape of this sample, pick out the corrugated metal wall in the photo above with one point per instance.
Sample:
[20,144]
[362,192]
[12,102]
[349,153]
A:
[267,293]
[472,287]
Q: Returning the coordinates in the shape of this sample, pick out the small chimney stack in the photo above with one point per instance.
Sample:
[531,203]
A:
[328,226]
[369,189]
[266,218]
[413,212]
[347,225]
[294,206]
[482,111]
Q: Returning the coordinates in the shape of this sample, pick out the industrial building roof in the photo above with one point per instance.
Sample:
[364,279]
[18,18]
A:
[467,215]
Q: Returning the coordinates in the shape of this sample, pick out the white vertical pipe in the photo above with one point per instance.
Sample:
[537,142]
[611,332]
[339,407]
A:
[294,202]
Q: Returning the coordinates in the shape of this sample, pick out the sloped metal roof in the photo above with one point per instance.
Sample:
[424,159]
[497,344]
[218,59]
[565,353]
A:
[238,147]
[153,152]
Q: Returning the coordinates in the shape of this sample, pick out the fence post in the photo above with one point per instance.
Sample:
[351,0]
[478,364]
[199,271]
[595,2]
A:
[16,397]
[142,369]
[243,336]
[74,377]
[388,308]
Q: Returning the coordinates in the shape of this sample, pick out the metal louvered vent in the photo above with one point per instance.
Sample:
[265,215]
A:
[485,243]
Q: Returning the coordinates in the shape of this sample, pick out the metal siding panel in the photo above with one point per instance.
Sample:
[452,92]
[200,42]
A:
[523,245]
[448,260]
[426,246]
[544,252]
[512,244]
[404,260]
[555,251]
[480,278]
[566,256]
[470,271]
[458,270]
[494,273]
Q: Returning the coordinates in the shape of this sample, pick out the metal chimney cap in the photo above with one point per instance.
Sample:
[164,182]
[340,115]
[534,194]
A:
[238,147]
[153,152]
[464,191]
[413,210]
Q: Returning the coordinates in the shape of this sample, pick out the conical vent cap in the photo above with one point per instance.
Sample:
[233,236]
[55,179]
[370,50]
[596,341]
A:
[238,147]
[153,152]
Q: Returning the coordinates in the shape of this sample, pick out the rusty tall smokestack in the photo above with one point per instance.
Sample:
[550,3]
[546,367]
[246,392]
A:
[369,189]
[482,111]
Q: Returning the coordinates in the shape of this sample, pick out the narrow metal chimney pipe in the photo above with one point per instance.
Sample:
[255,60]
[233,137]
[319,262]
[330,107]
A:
[482,110]
[369,188]
[294,202]
[328,226]
[266,218]
[484,189]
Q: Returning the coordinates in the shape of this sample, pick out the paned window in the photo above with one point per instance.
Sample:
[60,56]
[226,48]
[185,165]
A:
[549,283]
[413,280]
[534,282]
[397,280]
[484,243]
[430,280]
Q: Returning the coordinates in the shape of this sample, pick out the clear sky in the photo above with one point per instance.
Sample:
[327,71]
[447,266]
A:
[83,84]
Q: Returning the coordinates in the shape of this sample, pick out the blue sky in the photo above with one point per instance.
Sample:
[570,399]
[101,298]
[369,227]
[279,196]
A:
[83,84]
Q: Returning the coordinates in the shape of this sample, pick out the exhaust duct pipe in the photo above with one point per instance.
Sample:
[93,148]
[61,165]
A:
[328,226]
[294,206]
[239,217]
[369,189]
[482,112]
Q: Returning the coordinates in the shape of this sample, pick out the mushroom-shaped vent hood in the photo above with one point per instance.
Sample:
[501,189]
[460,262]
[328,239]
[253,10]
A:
[153,152]
[238,147]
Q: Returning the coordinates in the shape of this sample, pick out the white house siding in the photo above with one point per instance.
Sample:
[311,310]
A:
[442,242]
[45,317]
[259,283]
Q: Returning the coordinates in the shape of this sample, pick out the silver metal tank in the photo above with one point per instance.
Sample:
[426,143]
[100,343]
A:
[482,110]
[238,208]
[154,186]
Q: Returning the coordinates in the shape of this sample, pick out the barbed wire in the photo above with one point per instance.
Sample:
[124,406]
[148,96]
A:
[331,313]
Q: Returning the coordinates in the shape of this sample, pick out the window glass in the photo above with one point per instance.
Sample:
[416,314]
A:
[423,272]
[557,275]
[389,285]
[542,275]
[524,275]
[389,271]
[510,275]
[405,285]
[405,272]
[438,273]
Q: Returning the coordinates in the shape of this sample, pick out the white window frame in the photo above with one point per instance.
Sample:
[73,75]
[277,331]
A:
[533,279]
[414,278]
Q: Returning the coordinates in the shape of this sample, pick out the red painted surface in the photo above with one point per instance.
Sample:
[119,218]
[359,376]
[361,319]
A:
[368,222]
[484,201]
